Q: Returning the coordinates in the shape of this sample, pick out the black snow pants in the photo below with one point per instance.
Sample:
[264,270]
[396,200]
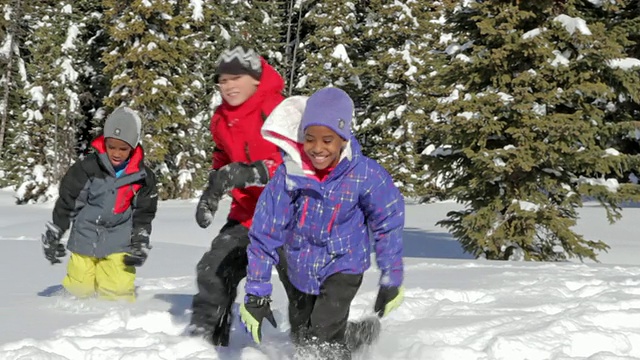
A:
[218,274]
[319,322]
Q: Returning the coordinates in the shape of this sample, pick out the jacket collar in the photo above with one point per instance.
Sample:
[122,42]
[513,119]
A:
[135,160]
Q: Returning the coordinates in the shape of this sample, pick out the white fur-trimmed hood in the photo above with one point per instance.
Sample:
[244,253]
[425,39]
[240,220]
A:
[283,129]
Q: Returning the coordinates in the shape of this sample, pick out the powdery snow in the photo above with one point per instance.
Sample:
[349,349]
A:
[431,150]
[340,53]
[72,34]
[611,152]
[562,58]
[571,24]
[499,162]
[533,33]
[455,308]
[67,9]
[600,3]
[68,73]
[5,49]
[196,7]
[37,95]
[611,184]
[624,63]
[8,11]
[527,205]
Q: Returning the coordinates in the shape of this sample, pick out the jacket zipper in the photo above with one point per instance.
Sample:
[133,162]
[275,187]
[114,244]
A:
[333,217]
[304,211]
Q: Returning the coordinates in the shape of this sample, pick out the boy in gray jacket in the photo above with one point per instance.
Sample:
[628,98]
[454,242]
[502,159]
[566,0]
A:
[111,198]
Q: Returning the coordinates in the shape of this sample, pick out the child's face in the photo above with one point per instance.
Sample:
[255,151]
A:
[323,146]
[118,151]
[236,89]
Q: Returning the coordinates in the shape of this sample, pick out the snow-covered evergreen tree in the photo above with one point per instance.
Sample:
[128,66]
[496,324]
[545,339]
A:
[330,49]
[52,115]
[204,34]
[148,61]
[623,27]
[400,37]
[216,26]
[259,24]
[93,40]
[14,18]
[525,132]
[292,33]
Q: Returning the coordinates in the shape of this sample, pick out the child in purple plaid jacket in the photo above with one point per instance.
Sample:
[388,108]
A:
[319,208]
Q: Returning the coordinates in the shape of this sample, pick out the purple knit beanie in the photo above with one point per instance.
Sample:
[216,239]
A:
[330,107]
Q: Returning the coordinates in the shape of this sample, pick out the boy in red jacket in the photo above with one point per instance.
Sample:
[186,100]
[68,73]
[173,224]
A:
[243,162]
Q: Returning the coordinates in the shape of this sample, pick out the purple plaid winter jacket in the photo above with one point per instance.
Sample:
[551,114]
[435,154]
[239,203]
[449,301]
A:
[324,226]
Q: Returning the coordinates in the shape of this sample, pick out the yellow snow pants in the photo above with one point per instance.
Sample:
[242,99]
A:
[108,277]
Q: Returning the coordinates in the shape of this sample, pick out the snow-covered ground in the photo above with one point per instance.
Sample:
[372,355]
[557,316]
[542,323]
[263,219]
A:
[456,307]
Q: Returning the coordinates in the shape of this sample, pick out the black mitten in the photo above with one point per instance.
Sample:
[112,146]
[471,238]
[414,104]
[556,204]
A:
[238,175]
[53,249]
[232,176]
[208,203]
[139,248]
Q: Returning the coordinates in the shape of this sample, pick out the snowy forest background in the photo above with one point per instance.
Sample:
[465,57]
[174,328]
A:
[519,109]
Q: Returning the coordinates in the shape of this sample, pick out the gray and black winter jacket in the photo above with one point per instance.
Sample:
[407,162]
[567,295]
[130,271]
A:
[107,213]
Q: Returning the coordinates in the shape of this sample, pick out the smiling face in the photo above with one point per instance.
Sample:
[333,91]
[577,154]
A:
[236,89]
[118,151]
[323,146]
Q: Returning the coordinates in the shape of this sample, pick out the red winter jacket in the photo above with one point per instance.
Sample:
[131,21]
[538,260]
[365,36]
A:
[237,138]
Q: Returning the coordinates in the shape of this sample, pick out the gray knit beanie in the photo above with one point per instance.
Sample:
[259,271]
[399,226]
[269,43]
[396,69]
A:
[123,124]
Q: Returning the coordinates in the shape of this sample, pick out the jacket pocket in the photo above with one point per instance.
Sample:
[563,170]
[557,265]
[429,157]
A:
[339,245]
[297,241]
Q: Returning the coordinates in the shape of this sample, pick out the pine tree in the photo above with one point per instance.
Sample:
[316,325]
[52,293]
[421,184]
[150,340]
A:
[524,134]
[203,36]
[292,34]
[400,37]
[330,49]
[216,26]
[93,41]
[52,116]
[149,71]
[629,21]
[624,25]
[259,24]
[43,134]
[46,136]
[13,77]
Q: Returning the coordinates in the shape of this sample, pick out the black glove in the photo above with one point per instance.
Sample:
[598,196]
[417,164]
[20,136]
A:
[253,311]
[53,250]
[389,298]
[208,203]
[139,248]
[221,181]
[237,175]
